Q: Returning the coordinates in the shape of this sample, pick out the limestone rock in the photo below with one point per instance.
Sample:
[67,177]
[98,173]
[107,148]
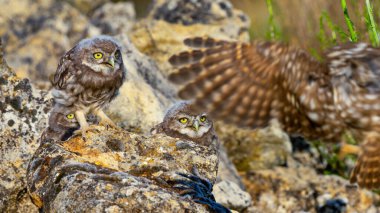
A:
[230,195]
[145,95]
[255,149]
[38,33]
[114,18]
[86,6]
[192,12]
[115,169]
[227,170]
[23,115]
[300,188]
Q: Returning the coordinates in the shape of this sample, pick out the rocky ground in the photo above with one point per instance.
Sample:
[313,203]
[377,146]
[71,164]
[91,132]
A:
[118,170]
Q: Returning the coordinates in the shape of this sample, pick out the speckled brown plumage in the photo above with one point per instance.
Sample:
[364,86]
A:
[252,84]
[62,124]
[85,83]
[171,126]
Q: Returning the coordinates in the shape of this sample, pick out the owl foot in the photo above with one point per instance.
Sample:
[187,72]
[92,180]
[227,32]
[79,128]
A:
[108,123]
[105,120]
[83,130]
[347,149]
[199,190]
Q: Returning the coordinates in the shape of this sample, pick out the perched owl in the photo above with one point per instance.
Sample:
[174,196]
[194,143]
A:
[62,124]
[181,121]
[89,77]
[253,84]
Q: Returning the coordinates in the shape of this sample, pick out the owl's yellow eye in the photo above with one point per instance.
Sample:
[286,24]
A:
[183,120]
[70,116]
[203,118]
[98,55]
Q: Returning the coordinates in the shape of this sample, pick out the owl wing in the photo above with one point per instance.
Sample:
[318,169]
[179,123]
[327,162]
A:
[239,83]
[367,169]
[63,71]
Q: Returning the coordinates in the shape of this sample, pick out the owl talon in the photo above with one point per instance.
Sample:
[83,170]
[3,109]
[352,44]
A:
[105,120]
[82,131]
[347,149]
[108,124]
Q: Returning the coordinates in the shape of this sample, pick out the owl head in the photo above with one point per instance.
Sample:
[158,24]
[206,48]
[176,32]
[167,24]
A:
[102,54]
[62,121]
[183,120]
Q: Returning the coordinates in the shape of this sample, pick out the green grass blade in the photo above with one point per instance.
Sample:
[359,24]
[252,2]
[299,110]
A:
[372,28]
[272,33]
[350,25]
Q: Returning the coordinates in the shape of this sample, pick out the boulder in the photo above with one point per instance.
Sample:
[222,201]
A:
[115,170]
[23,116]
[37,34]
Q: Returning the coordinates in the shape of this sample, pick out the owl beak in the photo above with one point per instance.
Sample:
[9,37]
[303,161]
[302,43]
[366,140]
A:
[111,62]
[196,125]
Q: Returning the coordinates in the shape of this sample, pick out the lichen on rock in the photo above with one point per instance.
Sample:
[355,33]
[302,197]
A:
[116,169]
[23,115]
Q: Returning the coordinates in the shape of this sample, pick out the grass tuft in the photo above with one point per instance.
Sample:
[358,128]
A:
[273,33]
[353,35]
[371,25]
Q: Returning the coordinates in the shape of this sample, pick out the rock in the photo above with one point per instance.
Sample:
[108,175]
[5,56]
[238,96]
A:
[300,189]
[36,40]
[86,6]
[114,18]
[192,12]
[255,149]
[23,115]
[161,34]
[115,169]
[230,195]
[227,170]
[145,95]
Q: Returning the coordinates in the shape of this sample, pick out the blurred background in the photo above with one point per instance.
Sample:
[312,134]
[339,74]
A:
[299,22]
[54,26]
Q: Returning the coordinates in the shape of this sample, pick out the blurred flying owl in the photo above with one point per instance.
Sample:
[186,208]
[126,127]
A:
[252,84]
[89,77]
[181,121]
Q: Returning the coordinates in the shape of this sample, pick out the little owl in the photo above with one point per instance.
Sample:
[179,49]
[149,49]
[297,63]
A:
[182,121]
[89,77]
[62,124]
[252,84]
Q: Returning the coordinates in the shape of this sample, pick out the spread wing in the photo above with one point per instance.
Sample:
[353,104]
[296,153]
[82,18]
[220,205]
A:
[232,80]
[246,84]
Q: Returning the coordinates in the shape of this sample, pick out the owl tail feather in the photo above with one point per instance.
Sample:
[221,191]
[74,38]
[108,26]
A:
[367,169]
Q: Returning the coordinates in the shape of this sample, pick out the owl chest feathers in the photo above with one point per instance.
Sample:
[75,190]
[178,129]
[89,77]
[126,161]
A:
[88,90]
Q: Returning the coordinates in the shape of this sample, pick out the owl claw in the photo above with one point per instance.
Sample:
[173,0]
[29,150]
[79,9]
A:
[108,123]
[347,149]
[83,130]
[105,120]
